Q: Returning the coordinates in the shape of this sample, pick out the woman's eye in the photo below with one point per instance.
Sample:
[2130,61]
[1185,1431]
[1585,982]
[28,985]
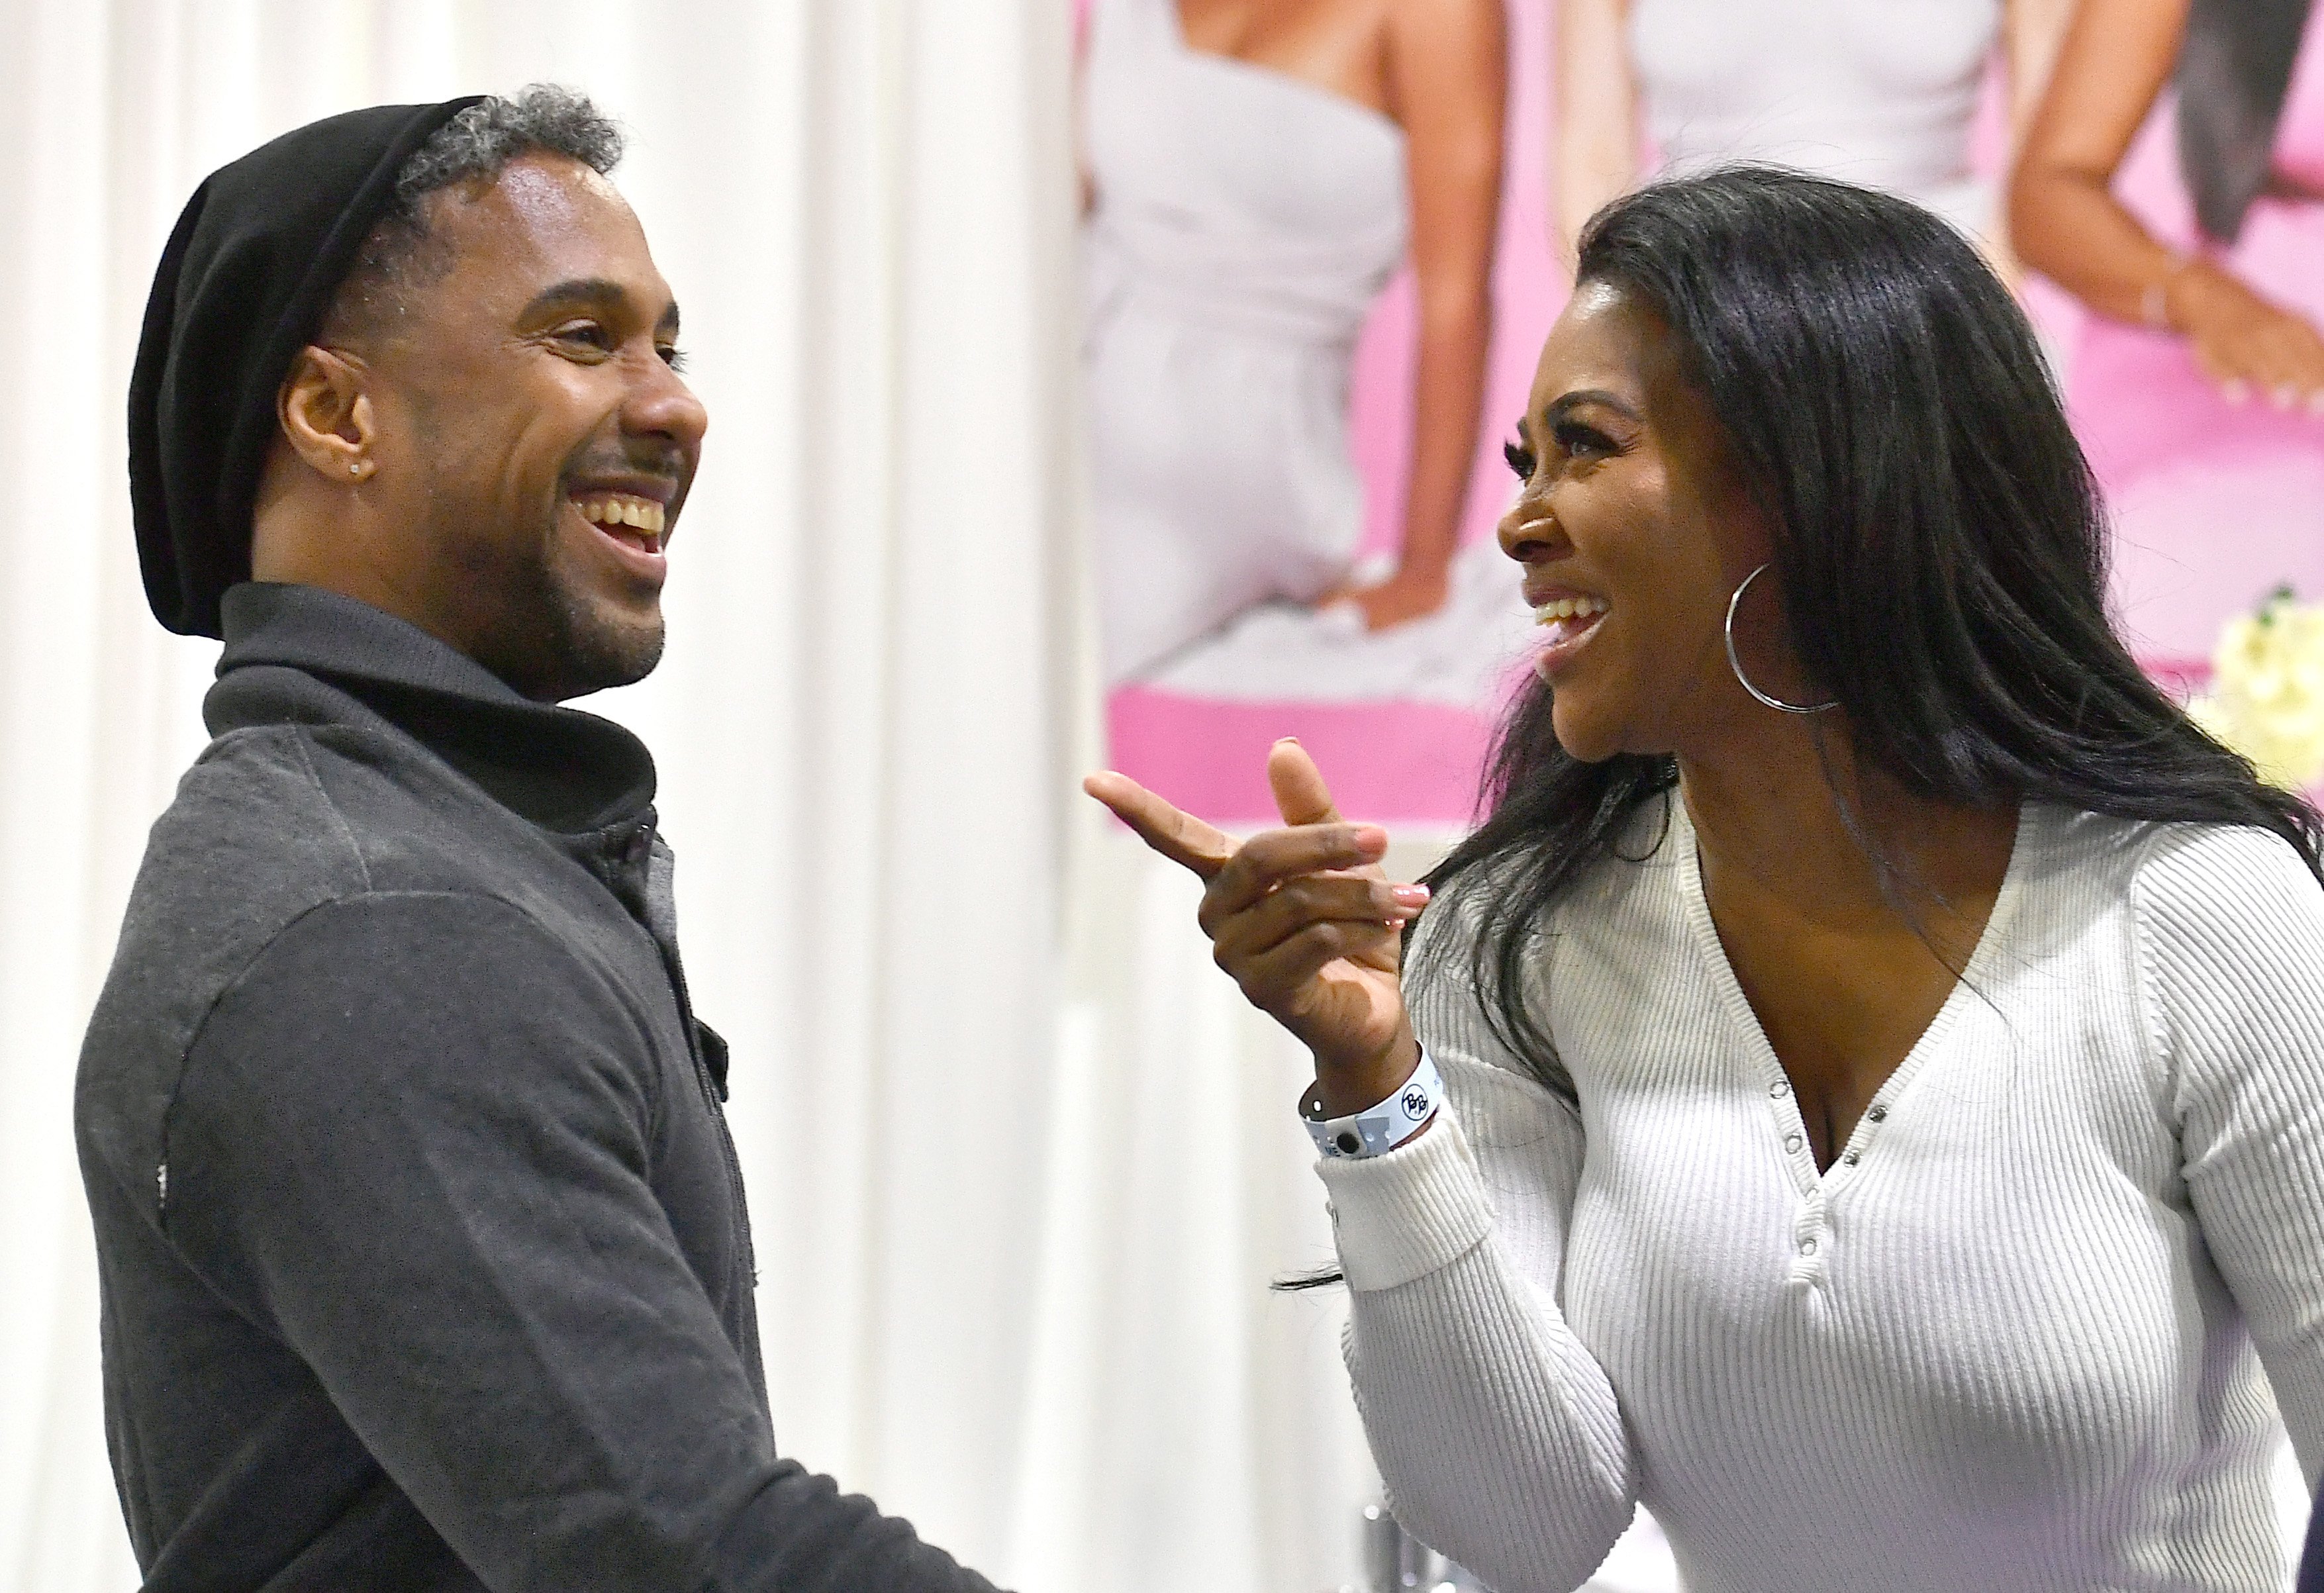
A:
[1520,458]
[1577,441]
[672,355]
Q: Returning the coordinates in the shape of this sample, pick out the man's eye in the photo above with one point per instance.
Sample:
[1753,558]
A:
[673,356]
[583,332]
[1520,458]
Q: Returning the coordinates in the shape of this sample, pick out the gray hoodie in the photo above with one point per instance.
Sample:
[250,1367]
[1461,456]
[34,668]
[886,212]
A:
[423,1242]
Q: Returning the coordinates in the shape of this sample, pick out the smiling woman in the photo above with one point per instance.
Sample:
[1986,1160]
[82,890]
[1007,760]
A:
[1762,368]
[1886,1137]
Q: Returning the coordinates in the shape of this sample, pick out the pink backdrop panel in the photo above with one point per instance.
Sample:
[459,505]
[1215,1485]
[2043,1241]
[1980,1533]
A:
[1415,763]
[1392,761]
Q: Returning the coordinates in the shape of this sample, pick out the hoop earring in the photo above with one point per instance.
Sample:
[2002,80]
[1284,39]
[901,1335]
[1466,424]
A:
[1735,664]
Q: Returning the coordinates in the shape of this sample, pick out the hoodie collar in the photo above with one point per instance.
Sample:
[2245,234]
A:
[567,771]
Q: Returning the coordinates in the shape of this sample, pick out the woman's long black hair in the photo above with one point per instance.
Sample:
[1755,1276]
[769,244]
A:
[1939,539]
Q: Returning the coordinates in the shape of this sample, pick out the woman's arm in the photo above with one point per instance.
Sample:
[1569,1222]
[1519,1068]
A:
[2116,55]
[2232,927]
[1596,155]
[1447,74]
[1496,1429]
[2032,32]
[2066,223]
[1085,182]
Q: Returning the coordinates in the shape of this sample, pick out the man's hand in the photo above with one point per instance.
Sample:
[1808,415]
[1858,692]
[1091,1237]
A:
[1303,920]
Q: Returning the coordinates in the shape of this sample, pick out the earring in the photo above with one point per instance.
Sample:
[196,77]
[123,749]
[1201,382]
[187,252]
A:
[1735,664]
[354,469]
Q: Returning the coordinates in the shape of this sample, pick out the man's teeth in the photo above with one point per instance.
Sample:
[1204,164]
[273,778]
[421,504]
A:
[642,513]
[1568,608]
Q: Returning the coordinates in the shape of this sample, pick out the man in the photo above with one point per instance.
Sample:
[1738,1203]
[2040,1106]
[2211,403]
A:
[424,1254]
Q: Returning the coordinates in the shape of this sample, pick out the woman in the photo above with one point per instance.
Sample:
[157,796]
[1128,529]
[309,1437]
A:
[1881,1039]
[1881,94]
[1255,173]
[2198,388]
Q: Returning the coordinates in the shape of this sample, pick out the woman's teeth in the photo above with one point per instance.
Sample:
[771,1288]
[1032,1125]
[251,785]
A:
[1564,618]
[1568,608]
[639,513]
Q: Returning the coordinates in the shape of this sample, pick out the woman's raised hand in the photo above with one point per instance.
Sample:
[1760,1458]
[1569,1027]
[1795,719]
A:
[1303,920]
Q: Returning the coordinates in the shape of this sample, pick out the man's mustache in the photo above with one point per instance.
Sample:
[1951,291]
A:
[668,462]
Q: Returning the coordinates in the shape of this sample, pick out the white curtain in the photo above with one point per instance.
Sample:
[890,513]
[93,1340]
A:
[1020,1163]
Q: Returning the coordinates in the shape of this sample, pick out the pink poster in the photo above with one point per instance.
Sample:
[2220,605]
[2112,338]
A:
[1319,363]
[1251,335]
[2216,486]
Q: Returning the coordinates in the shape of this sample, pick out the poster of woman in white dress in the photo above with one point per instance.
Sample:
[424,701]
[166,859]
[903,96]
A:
[1297,325]
[1325,239]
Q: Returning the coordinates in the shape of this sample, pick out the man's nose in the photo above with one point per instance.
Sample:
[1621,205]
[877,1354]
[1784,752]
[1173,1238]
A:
[660,404]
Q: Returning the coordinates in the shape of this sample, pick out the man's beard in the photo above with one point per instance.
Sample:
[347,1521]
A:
[586,650]
[552,642]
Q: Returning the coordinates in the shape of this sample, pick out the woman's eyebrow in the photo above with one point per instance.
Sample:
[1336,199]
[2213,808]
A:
[1565,403]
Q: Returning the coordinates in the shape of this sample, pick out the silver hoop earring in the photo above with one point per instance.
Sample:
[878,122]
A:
[1735,664]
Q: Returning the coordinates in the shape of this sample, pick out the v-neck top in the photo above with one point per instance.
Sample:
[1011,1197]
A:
[1748,1031]
[2030,1330]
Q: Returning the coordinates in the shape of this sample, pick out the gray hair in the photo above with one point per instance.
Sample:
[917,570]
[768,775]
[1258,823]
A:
[471,148]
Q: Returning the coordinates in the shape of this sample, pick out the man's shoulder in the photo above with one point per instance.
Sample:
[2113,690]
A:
[274,820]
[253,810]
[272,826]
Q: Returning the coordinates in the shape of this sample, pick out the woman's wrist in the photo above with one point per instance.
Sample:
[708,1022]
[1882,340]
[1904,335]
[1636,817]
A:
[1426,569]
[2195,293]
[1395,1120]
[2154,305]
[1343,1089]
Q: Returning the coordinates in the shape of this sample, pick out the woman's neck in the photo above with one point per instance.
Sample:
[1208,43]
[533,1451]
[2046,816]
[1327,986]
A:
[1839,845]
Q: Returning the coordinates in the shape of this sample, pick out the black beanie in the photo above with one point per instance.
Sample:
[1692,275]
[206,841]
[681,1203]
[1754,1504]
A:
[243,284]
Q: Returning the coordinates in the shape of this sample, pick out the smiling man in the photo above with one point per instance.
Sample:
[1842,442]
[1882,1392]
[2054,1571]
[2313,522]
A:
[424,1254]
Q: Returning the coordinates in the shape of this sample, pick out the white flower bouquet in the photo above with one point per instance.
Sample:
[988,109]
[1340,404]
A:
[2266,697]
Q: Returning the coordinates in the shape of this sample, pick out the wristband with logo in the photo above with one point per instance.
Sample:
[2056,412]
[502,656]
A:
[1380,1128]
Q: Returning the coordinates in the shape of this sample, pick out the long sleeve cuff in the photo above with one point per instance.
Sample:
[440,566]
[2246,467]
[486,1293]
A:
[1403,1215]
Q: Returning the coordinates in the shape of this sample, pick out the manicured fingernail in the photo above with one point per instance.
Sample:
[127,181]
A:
[1410,895]
[2316,403]
[1371,838]
[1286,740]
[2234,392]
[2283,398]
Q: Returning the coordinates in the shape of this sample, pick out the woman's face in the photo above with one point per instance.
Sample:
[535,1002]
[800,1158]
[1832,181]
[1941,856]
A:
[1633,533]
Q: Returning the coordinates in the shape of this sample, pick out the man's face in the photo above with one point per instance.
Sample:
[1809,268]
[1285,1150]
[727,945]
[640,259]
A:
[533,432]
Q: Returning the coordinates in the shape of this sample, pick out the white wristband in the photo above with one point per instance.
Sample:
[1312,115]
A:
[1380,1129]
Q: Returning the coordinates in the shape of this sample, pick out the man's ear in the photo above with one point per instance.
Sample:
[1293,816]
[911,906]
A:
[326,415]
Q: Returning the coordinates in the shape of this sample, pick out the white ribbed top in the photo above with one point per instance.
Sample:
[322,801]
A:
[2007,1342]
